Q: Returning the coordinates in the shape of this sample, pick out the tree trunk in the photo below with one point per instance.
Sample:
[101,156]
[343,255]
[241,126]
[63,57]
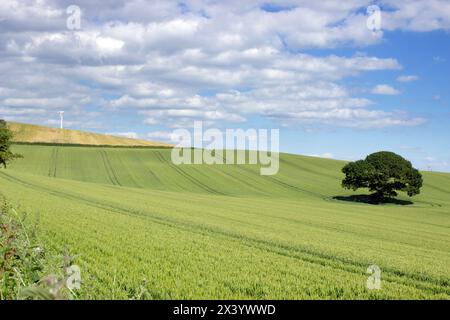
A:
[377,197]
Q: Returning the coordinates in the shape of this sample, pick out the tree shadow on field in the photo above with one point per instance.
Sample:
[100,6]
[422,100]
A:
[364,198]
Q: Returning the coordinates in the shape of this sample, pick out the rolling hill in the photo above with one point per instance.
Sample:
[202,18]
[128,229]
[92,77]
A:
[28,133]
[138,222]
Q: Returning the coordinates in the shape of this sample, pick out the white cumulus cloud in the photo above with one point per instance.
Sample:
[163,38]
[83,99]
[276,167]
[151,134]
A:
[385,89]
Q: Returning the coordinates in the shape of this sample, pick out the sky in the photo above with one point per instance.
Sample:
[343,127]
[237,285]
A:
[340,79]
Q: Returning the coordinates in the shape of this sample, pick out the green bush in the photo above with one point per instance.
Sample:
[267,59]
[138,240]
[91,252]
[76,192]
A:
[24,262]
[21,257]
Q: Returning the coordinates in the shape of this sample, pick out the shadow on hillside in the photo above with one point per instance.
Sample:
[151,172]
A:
[364,198]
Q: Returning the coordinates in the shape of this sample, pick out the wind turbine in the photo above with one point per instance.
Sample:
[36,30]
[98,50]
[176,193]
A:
[61,116]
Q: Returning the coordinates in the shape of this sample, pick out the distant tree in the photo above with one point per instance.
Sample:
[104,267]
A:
[383,173]
[5,144]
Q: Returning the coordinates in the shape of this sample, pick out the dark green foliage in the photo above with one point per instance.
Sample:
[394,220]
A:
[5,143]
[56,144]
[383,173]
[21,258]
[23,261]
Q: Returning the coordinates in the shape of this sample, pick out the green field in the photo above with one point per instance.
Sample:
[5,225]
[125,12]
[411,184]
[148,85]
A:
[224,231]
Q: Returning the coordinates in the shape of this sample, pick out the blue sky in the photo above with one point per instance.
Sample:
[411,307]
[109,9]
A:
[424,54]
[331,85]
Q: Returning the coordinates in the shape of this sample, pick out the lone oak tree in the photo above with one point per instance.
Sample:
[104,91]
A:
[5,143]
[382,173]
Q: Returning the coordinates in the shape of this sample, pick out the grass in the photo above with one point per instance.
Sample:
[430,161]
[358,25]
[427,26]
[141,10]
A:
[27,271]
[21,257]
[141,225]
[27,133]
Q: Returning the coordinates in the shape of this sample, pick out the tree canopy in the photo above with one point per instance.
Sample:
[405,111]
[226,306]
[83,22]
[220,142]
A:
[383,173]
[5,144]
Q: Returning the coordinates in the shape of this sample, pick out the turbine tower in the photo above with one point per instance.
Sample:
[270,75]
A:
[61,116]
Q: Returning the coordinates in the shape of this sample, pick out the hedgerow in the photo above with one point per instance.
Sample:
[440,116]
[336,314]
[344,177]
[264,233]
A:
[24,261]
